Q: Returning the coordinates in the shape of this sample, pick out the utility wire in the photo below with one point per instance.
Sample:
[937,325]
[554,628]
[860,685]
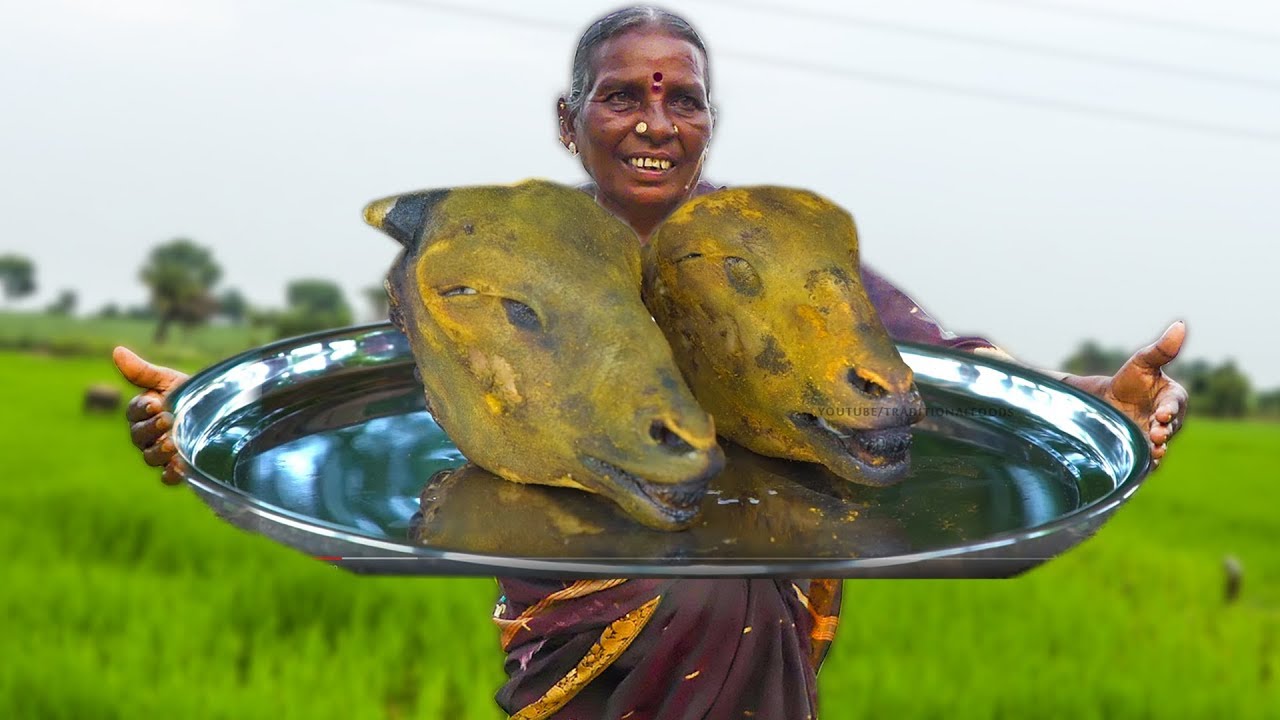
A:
[1099,13]
[1099,59]
[480,12]
[1065,106]
[892,79]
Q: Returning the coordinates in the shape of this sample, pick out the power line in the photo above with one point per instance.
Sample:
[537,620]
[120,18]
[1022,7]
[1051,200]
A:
[1100,59]
[1018,99]
[1098,13]
[524,22]
[893,79]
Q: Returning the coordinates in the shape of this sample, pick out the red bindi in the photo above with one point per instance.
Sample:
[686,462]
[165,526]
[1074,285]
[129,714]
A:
[657,77]
[657,82]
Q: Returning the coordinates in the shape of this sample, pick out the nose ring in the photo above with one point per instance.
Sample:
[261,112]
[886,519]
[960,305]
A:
[642,127]
[675,129]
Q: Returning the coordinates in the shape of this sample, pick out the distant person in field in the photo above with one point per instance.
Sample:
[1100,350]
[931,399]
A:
[640,89]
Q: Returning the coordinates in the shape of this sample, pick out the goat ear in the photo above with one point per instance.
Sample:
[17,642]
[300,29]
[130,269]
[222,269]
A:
[403,217]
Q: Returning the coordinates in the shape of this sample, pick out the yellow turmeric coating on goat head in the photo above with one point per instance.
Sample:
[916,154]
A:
[537,356]
[759,292]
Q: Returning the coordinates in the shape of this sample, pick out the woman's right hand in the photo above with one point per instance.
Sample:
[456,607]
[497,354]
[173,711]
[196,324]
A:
[149,424]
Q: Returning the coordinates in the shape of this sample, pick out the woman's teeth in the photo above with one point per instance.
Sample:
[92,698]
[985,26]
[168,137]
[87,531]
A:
[654,163]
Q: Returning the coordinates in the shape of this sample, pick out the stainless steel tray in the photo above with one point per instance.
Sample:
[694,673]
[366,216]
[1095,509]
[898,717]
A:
[322,443]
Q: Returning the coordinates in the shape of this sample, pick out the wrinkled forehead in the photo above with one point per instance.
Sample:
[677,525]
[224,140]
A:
[635,55]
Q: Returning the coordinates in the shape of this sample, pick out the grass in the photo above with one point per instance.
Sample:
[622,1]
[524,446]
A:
[122,598]
[126,599]
[71,336]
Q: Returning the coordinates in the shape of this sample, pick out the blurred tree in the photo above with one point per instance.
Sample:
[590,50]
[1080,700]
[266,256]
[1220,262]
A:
[140,312]
[196,311]
[313,305]
[1215,391]
[17,276]
[180,275]
[1268,404]
[64,305]
[1091,359]
[318,297]
[233,306]
[376,295]
[1226,393]
[109,311]
[1193,374]
[262,317]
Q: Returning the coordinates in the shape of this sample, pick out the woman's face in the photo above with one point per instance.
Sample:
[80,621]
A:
[651,77]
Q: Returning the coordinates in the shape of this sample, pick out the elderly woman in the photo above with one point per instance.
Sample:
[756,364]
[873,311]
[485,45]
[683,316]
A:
[638,115]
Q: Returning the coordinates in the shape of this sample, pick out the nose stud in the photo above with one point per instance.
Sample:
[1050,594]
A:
[675,129]
[642,127]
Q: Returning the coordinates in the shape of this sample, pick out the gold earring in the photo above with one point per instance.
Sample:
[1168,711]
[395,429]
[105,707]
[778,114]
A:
[642,127]
[573,148]
[675,129]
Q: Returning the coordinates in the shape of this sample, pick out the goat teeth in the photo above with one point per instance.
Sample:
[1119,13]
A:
[822,423]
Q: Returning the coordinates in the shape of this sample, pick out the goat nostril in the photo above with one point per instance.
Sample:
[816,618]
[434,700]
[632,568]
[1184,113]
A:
[866,385]
[665,437]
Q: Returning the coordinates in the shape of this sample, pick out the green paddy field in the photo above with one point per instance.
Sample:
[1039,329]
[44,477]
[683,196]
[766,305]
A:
[122,598]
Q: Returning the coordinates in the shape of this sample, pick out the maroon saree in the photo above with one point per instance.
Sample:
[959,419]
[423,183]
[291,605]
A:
[683,649]
[675,649]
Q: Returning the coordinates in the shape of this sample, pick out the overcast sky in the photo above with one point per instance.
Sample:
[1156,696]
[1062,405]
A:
[1035,171]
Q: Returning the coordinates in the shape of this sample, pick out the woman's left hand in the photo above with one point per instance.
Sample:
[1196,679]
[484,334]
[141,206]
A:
[1142,391]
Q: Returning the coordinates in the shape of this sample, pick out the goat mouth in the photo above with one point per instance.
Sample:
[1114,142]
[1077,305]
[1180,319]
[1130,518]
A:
[881,452]
[676,503]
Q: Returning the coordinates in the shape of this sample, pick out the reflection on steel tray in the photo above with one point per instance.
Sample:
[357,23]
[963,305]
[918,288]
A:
[322,443]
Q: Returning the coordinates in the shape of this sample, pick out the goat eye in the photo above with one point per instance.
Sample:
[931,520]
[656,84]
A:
[742,277]
[460,290]
[521,315]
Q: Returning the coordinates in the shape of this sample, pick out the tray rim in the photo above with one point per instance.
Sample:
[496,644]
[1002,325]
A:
[209,488]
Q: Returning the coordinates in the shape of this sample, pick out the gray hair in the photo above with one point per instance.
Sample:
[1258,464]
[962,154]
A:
[614,24]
